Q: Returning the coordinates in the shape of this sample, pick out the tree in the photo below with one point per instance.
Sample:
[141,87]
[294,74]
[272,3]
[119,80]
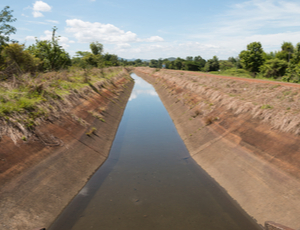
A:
[153,63]
[17,60]
[199,61]
[292,73]
[224,65]
[97,48]
[6,29]
[178,63]
[274,68]
[236,62]
[252,58]
[52,55]
[287,50]
[296,55]
[110,60]
[212,64]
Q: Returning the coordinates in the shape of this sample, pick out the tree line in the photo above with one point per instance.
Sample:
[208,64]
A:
[45,55]
[283,64]
[48,55]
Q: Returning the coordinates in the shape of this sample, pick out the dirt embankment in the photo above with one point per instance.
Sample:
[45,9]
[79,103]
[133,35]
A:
[244,134]
[39,177]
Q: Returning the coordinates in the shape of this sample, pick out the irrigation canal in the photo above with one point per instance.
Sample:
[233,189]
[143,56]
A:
[149,180]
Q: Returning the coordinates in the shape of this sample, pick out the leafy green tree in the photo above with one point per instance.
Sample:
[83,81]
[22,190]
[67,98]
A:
[296,55]
[85,59]
[153,63]
[18,60]
[224,65]
[178,63]
[110,60]
[236,62]
[52,55]
[252,58]
[274,68]
[199,61]
[212,64]
[6,29]
[269,56]
[97,48]
[292,73]
[286,52]
[138,62]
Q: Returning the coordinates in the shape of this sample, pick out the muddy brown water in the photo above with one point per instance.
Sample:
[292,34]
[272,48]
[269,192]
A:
[149,180]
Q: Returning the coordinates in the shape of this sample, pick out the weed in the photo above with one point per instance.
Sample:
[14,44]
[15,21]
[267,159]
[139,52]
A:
[208,121]
[266,107]
[197,112]
[91,131]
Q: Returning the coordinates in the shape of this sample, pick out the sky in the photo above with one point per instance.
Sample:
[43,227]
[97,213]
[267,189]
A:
[158,28]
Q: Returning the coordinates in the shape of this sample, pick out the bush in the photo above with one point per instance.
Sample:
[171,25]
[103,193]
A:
[273,68]
[292,74]
[18,60]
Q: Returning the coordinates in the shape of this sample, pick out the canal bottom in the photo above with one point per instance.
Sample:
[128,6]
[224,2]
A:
[149,180]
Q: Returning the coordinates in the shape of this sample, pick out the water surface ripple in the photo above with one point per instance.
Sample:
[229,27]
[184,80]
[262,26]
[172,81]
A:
[149,180]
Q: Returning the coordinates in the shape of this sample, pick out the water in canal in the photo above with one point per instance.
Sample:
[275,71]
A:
[149,181]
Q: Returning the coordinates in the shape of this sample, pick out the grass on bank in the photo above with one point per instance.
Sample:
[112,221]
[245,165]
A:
[243,73]
[26,101]
[275,104]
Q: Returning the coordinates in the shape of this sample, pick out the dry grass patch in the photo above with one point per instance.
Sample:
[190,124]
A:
[27,101]
[275,104]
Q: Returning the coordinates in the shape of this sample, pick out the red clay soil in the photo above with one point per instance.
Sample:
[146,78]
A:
[257,165]
[39,177]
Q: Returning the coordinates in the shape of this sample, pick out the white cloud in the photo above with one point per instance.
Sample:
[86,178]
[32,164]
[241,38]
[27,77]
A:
[268,21]
[88,32]
[106,33]
[153,39]
[165,50]
[30,38]
[53,21]
[37,14]
[40,6]
[123,46]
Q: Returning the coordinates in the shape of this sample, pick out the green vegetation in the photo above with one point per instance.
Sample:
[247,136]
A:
[283,65]
[91,131]
[266,107]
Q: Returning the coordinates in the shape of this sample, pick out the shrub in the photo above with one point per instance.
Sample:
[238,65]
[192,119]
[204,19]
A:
[18,60]
[274,68]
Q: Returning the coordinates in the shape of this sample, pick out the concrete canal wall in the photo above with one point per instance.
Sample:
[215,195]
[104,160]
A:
[255,163]
[43,174]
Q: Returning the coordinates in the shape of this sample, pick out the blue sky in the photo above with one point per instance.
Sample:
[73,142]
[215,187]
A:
[159,29]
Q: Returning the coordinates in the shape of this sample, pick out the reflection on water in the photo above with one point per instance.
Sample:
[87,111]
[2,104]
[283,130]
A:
[150,181]
[142,87]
